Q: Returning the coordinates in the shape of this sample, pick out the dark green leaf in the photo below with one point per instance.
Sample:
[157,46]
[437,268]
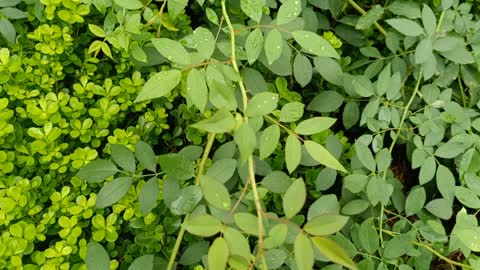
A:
[97,170]
[277,182]
[145,155]
[176,166]
[186,201]
[147,198]
[123,157]
[97,257]
[406,27]
[144,262]
[415,201]
[314,44]
[351,114]
[355,207]
[302,69]
[330,70]
[372,16]
[327,101]
[113,191]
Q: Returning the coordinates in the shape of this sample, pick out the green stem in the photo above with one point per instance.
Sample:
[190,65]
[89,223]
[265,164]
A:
[200,169]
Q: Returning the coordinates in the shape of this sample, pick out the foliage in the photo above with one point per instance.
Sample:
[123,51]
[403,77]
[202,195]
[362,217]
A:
[295,134]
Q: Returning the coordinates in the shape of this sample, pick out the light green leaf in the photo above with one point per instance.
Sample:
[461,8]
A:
[254,45]
[355,182]
[246,141]
[262,104]
[123,157]
[9,3]
[247,223]
[302,69]
[96,30]
[429,20]
[471,238]
[138,53]
[176,166]
[325,224]
[215,193]
[197,91]
[378,190]
[294,198]
[218,254]
[204,41]
[467,197]
[415,201]
[427,171]
[129,4]
[237,243]
[330,70]
[445,183]
[314,125]
[355,207]
[293,153]
[222,121]
[327,101]
[314,44]
[211,15]
[145,155]
[409,9]
[172,50]
[269,140]
[450,150]
[144,262]
[383,159]
[423,52]
[147,198]
[276,236]
[368,237]
[273,46]
[365,156]
[304,256]
[113,191]
[333,252]
[222,170]
[406,27]
[440,208]
[159,85]
[288,11]
[253,8]
[368,19]
[185,201]
[203,225]
[322,156]
[291,112]
[97,257]
[97,170]
[277,182]
[176,7]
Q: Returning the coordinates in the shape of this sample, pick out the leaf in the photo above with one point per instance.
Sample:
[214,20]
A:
[368,237]
[355,207]
[222,170]
[218,254]
[378,190]
[113,191]
[368,19]
[194,252]
[383,159]
[304,256]
[246,222]
[237,243]
[186,201]
[355,182]
[203,225]
[254,45]
[406,27]
[322,156]
[222,121]
[215,193]
[445,183]
[427,171]
[96,30]
[327,101]
[459,55]
[293,153]
[471,238]
[97,257]
[332,251]
[365,156]
[172,50]
[7,30]
[277,236]
[176,166]
[277,182]
[176,7]
[351,114]
[358,84]
[467,197]
[314,125]
[147,198]
[106,50]
[449,150]
[273,46]
[159,85]
[123,157]
[429,20]
[129,4]
[97,170]
[197,90]
[302,69]
[409,9]
[253,8]
[262,104]
[325,224]
[330,71]
[204,42]
[314,44]
[145,155]
[246,141]
[440,208]
[288,11]
[9,3]
[423,52]
[415,201]
[211,16]
[269,140]
[144,262]
[294,198]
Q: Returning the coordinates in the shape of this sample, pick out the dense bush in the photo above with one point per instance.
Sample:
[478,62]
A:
[240,134]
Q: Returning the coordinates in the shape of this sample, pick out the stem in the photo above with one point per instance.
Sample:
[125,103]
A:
[363,12]
[201,167]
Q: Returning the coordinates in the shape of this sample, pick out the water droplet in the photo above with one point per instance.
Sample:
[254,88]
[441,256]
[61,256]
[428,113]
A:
[306,35]
[278,47]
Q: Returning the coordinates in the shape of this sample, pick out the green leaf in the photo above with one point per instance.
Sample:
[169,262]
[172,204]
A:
[97,257]
[273,46]
[291,112]
[246,222]
[368,19]
[415,201]
[467,197]
[186,201]
[7,30]
[9,3]
[203,225]
[322,156]
[253,8]
[314,44]
[222,121]
[355,207]
[423,52]
[13,13]
[378,190]
[246,141]
[294,198]
[406,27]
[470,238]
[211,16]
[237,243]
[293,153]
[218,254]
[409,9]
[269,140]
[276,236]
[427,171]
[429,20]
[304,256]
[215,193]
[383,159]
[368,237]
[445,183]
[355,182]
[314,125]
[351,114]
[325,224]
[440,208]
[277,182]
[123,157]
[147,198]
[138,53]
[176,166]
[159,85]
[113,191]
[450,150]
[275,258]
[194,253]
[358,84]
[262,104]
[254,45]
[145,155]
[330,71]
[97,170]
[129,4]
[197,91]
[96,30]
[288,11]
[172,50]
[327,101]
[176,7]
[204,42]
[332,251]
[302,69]
[222,170]
[365,156]
[144,262]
